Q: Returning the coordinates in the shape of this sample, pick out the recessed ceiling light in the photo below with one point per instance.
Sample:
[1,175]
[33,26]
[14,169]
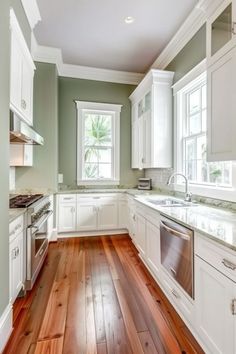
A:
[129,19]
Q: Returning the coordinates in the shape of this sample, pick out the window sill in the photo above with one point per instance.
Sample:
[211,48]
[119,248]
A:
[104,182]
[222,193]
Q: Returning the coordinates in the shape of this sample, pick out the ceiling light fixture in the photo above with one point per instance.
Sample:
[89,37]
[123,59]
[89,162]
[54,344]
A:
[129,20]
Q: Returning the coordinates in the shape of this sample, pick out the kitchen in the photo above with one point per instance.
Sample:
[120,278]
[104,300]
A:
[95,127]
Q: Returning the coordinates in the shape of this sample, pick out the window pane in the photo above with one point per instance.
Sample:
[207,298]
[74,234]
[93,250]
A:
[194,102]
[204,121]
[190,170]
[189,149]
[104,170]
[201,147]
[227,173]
[204,96]
[98,129]
[195,124]
[105,155]
[215,172]
[90,170]
[202,171]
[91,155]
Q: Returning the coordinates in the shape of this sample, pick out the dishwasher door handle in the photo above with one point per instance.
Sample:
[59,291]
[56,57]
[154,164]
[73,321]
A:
[175,232]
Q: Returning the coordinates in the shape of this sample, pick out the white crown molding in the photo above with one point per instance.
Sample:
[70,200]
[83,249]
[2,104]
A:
[5,326]
[32,12]
[54,56]
[189,28]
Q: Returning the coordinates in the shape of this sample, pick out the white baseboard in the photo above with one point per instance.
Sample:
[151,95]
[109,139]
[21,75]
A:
[5,326]
[92,233]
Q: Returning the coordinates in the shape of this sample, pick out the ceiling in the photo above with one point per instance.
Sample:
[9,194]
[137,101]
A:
[93,32]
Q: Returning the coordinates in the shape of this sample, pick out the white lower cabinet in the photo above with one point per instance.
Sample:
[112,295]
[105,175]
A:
[67,217]
[140,234]
[215,308]
[16,230]
[123,214]
[153,247]
[86,216]
[107,211]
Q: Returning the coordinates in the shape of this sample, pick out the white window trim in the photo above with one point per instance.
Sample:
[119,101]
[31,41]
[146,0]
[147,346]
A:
[224,193]
[105,107]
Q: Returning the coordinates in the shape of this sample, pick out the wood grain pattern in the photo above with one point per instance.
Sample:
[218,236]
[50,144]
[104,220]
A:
[95,296]
[52,346]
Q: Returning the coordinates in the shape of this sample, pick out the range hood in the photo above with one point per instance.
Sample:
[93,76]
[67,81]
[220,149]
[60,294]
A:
[22,133]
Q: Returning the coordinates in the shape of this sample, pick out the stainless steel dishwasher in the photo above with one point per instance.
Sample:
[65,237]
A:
[177,253]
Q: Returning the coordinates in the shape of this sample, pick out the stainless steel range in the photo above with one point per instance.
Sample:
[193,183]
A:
[36,246]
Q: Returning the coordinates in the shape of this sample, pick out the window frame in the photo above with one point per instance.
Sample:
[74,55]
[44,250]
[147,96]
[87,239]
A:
[106,108]
[197,74]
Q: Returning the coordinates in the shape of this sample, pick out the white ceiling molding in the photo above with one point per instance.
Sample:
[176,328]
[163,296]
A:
[54,56]
[189,28]
[32,12]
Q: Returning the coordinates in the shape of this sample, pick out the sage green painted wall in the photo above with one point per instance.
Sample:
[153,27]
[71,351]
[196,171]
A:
[4,137]
[192,54]
[95,91]
[43,174]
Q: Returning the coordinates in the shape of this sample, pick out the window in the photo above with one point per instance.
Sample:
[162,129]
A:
[195,166]
[98,143]
[191,140]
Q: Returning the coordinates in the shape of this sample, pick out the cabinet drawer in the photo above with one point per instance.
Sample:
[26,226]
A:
[219,257]
[67,198]
[177,297]
[16,227]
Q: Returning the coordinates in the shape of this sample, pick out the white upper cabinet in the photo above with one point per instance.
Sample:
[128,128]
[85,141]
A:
[152,121]
[221,91]
[21,74]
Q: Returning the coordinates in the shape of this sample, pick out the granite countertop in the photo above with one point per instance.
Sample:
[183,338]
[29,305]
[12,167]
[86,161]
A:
[217,224]
[14,213]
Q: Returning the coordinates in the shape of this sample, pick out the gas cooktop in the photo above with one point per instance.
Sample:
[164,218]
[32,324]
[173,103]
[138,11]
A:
[24,200]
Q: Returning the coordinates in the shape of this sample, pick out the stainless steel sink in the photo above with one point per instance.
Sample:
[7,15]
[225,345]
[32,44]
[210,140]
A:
[170,202]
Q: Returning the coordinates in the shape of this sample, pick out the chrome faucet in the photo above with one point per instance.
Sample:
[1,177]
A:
[188,195]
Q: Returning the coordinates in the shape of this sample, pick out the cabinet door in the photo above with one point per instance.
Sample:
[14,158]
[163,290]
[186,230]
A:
[153,247]
[123,215]
[86,216]
[140,237]
[27,91]
[221,101]
[214,294]
[15,73]
[135,144]
[16,266]
[67,217]
[107,214]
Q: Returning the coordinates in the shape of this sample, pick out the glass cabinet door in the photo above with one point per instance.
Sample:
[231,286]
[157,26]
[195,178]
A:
[221,29]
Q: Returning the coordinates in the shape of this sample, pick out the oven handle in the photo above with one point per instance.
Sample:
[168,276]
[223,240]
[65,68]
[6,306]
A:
[175,232]
[38,225]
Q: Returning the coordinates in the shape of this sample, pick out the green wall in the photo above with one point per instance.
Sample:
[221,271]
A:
[43,174]
[95,91]
[192,54]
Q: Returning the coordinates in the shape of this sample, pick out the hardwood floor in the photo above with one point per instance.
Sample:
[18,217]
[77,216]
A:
[94,295]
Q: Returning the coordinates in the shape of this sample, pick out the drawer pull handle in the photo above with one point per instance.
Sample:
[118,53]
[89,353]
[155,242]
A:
[229,264]
[233,307]
[175,294]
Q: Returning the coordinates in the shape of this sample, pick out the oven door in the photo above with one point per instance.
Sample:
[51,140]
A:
[37,245]
[177,253]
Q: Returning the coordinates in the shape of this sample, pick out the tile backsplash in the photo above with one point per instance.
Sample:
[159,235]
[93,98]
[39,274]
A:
[159,177]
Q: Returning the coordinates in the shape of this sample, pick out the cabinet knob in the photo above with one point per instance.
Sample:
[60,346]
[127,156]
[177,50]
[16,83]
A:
[23,104]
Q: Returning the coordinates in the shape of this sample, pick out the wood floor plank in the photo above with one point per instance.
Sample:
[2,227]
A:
[53,325]
[128,319]
[52,346]
[75,330]
[147,342]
